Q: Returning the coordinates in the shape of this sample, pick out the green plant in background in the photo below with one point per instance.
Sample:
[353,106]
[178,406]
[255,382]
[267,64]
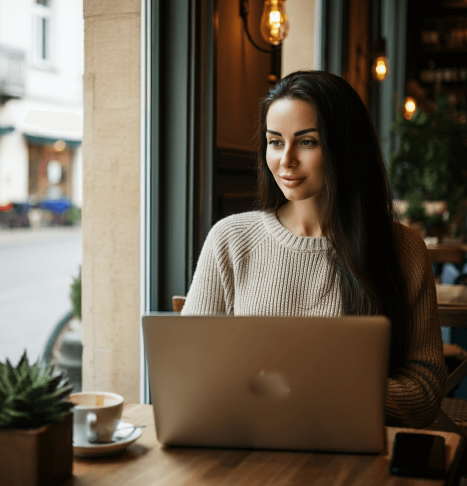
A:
[31,396]
[415,210]
[432,157]
[74,215]
[76,296]
[435,221]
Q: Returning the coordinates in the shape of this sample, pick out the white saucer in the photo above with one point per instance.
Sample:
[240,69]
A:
[125,435]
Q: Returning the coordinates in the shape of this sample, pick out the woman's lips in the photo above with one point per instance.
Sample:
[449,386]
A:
[291,182]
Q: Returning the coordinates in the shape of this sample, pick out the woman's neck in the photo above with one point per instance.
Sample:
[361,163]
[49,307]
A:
[302,218]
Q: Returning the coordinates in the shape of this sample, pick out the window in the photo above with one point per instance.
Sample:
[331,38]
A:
[42,19]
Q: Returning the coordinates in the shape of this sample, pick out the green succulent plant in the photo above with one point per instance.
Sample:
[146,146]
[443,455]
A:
[31,396]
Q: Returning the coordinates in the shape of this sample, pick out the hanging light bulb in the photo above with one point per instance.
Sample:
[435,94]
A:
[380,69]
[410,105]
[274,25]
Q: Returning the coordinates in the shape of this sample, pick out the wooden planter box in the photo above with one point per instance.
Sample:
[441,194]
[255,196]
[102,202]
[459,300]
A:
[37,457]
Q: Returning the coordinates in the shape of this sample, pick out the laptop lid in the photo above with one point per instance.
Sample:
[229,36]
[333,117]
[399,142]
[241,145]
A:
[289,383]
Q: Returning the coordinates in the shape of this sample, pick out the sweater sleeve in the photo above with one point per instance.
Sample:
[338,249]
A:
[416,386]
[207,294]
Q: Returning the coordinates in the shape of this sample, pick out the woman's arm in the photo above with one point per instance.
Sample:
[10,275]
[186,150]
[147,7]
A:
[416,387]
[207,294]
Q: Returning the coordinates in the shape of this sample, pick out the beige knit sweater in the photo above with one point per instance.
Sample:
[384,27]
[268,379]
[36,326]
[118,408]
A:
[251,265]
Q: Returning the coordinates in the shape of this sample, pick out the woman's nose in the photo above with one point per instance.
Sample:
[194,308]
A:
[288,158]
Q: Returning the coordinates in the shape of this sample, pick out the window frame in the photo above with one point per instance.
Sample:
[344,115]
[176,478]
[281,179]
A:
[40,14]
[177,148]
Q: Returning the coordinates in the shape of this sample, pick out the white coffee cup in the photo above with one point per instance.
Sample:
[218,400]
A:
[95,416]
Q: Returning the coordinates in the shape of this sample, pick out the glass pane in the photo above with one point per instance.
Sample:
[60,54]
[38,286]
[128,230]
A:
[41,184]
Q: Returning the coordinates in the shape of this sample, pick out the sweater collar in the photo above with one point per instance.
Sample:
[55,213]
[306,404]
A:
[287,239]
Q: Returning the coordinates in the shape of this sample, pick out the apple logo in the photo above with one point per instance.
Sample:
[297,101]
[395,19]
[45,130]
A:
[269,384]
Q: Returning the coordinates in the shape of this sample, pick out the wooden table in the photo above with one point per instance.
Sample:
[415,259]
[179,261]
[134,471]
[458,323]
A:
[452,308]
[451,294]
[452,305]
[147,463]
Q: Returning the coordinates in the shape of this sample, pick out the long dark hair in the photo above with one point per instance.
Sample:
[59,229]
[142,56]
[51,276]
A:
[357,204]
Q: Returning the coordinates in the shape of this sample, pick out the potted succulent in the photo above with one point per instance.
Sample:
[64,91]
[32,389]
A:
[36,425]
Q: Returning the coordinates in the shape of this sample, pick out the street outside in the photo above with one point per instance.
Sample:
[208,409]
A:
[37,267]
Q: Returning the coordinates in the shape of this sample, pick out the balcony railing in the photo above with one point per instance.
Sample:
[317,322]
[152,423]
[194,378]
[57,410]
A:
[12,72]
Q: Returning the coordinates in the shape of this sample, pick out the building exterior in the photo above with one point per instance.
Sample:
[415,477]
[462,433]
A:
[41,100]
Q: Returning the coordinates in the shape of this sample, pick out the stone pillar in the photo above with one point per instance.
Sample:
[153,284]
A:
[111,197]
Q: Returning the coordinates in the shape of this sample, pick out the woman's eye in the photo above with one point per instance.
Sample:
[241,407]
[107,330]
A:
[274,143]
[309,143]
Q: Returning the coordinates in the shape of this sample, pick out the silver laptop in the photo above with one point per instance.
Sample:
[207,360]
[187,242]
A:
[289,383]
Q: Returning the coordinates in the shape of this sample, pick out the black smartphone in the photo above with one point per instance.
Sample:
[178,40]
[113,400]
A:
[418,455]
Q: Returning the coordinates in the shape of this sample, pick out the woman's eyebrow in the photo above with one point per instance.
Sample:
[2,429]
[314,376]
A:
[296,134]
[301,132]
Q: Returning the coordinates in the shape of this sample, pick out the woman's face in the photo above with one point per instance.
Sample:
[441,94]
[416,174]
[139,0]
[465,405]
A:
[293,152]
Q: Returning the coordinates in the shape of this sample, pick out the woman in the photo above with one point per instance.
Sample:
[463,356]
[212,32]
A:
[325,241]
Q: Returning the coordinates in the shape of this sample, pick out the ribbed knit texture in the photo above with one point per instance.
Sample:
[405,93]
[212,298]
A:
[251,265]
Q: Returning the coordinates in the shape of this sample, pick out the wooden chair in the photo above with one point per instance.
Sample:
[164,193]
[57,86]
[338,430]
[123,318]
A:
[178,301]
[452,307]
[452,302]
[446,253]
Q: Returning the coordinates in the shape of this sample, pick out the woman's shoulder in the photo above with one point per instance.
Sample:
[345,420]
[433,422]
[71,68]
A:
[407,236]
[240,231]
[239,222]
[410,245]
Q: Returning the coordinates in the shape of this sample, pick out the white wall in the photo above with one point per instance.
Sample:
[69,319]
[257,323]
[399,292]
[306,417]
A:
[13,168]
[15,23]
[61,81]
[301,47]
